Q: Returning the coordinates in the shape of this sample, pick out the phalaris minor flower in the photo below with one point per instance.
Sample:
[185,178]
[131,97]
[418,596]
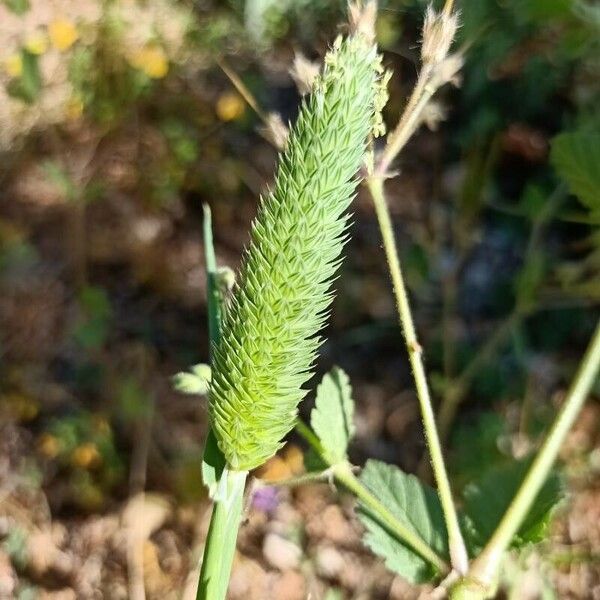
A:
[270,331]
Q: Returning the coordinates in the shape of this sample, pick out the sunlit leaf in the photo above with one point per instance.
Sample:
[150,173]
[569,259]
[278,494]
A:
[414,504]
[487,499]
[213,464]
[332,417]
[19,7]
[27,87]
[576,158]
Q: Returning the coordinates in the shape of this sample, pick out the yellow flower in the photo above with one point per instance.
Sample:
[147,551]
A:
[294,458]
[101,424]
[36,43]
[48,445]
[230,106]
[13,65]
[283,466]
[21,406]
[85,456]
[152,61]
[63,34]
[74,108]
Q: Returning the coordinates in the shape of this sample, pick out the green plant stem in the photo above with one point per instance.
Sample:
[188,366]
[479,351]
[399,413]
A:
[213,298]
[409,121]
[343,474]
[448,6]
[222,536]
[311,477]
[468,589]
[458,552]
[226,514]
[485,567]
[309,436]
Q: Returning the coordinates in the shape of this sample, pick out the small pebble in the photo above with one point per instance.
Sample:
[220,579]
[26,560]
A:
[281,553]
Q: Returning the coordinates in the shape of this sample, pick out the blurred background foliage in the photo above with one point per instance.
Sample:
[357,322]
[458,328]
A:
[118,120]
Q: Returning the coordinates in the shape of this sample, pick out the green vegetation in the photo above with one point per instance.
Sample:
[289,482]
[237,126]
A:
[121,123]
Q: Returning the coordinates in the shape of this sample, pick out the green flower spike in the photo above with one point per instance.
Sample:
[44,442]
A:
[269,336]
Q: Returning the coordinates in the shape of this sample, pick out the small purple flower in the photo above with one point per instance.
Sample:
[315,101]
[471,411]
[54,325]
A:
[265,499]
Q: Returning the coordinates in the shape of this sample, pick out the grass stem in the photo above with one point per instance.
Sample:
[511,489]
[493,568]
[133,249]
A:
[458,552]
[485,567]
[409,122]
[228,504]
[222,536]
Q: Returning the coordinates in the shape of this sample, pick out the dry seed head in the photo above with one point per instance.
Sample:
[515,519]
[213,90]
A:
[439,30]
[362,19]
[275,130]
[448,71]
[304,72]
[433,113]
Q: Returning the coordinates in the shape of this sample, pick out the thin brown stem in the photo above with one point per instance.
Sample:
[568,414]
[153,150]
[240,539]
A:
[409,121]
[243,91]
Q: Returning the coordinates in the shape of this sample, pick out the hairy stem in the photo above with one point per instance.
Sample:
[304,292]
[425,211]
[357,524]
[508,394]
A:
[485,567]
[243,91]
[344,475]
[448,6]
[409,122]
[458,552]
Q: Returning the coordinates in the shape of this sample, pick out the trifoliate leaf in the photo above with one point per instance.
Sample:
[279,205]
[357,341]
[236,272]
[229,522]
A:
[487,499]
[332,417]
[413,503]
[576,158]
[194,381]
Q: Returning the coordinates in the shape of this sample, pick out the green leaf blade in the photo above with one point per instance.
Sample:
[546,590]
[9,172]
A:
[576,158]
[414,504]
[28,86]
[213,459]
[487,499]
[332,419]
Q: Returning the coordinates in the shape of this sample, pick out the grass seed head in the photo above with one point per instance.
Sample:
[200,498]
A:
[269,338]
